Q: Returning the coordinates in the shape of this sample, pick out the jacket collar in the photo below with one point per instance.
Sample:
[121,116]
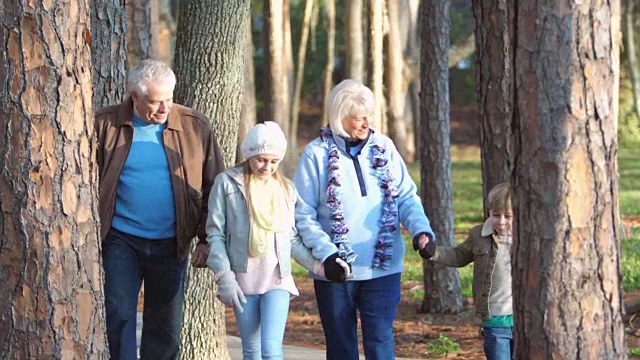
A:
[125,115]
[236,174]
[341,142]
[487,228]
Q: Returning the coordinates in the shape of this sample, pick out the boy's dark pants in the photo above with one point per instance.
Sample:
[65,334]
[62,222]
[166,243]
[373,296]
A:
[127,261]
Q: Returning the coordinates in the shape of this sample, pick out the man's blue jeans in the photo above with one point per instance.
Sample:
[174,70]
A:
[498,342]
[127,261]
[262,323]
[376,300]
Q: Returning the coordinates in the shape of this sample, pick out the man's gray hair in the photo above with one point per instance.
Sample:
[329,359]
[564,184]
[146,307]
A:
[148,71]
[349,97]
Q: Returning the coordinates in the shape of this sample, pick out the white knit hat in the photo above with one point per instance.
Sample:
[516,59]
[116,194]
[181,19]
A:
[265,138]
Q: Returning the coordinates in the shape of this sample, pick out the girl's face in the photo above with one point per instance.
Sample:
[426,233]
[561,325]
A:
[502,221]
[264,165]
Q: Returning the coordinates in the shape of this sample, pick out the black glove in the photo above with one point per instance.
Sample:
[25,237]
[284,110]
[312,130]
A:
[429,250]
[333,271]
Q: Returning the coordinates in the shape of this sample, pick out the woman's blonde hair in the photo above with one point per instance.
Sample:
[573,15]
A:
[499,198]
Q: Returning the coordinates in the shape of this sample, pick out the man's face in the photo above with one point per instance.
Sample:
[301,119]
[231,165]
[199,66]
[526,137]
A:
[154,107]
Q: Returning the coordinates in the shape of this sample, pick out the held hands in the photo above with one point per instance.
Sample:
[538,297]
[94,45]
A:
[426,246]
[336,269]
[318,269]
[199,256]
[229,291]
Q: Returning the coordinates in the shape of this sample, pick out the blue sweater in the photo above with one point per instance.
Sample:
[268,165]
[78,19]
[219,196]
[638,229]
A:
[361,202]
[144,195]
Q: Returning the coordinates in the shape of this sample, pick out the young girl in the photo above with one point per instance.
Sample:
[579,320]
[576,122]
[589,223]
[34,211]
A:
[251,236]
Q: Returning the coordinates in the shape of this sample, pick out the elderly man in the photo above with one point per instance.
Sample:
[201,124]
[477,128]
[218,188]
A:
[157,162]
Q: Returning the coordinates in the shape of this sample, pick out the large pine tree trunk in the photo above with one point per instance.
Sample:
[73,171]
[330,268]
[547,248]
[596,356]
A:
[567,296]
[210,30]
[51,297]
[108,52]
[495,87]
[354,40]
[142,34]
[441,284]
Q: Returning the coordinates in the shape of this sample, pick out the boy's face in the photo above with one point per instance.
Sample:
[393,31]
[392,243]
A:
[501,221]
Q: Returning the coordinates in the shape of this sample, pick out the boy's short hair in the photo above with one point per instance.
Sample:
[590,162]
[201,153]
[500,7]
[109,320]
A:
[499,198]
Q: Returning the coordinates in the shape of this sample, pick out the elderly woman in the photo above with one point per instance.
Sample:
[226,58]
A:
[354,193]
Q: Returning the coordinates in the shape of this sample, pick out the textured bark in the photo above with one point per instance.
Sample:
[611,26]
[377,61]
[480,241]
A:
[377,66]
[631,54]
[396,83]
[494,36]
[330,9]
[302,53]
[567,296]
[276,97]
[142,33]
[248,112]
[108,51]
[354,40]
[209,65]
[441,284]
[51,299]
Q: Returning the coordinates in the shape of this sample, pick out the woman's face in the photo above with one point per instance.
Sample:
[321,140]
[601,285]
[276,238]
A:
[264,165]
[356,126]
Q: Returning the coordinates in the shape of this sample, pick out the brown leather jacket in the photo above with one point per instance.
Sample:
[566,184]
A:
[193,155]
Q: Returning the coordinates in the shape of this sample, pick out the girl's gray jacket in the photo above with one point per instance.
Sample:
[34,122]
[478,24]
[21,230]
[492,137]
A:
[228,228]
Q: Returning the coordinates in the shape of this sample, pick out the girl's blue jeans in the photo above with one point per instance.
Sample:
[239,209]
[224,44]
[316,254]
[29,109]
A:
[261,325]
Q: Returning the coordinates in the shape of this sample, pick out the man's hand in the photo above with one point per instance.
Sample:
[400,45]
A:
[425,245]
[199,257]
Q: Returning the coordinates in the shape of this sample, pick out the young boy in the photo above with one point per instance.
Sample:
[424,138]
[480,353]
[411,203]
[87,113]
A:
[489,247]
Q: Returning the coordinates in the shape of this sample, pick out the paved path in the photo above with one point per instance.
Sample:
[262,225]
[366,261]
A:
[235,348]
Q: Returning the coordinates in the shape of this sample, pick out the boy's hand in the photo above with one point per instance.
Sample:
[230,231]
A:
[426,246]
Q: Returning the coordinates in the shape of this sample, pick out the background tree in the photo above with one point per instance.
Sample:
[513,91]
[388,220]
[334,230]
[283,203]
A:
[143,30]
[51,300]
[567,296]
[376,66]
[108,51]
[495,86]
[441,284]
[330,11]
[208,31]
[248,112]
[631,53]
[354,40]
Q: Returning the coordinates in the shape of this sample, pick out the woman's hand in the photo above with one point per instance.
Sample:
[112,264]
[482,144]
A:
[426,246]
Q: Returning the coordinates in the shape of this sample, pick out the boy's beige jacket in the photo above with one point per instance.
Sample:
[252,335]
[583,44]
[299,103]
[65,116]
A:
[481,248]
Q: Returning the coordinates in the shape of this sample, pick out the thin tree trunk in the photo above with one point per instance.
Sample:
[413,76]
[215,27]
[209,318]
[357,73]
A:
[302,53]
[108,51]
[142,34]
[631,53]
[441,284]
[330,8]
[396,83]
[567,295]
[248,112]
[354,40]
[51,283]
[494,36]
[408,13]
[377,66]
[166,33]
[215,30]
[462,50]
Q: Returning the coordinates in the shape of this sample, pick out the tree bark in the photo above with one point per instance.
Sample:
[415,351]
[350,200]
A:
[248,112]
[302,53]
[441,284]
[396,83]
[142,34]
[209,65]
[494,36]
[51,297]
[377,65]
[567,295]
[354,40]
[330,9]
[631,54]
[108,52]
